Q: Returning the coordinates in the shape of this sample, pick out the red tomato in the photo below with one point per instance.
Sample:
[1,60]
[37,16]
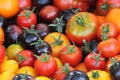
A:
[24,4]
[104,6]
[95,61]
[25,58]
[107,30]
[61,72]
[82,25]
[71,54]
[109,48]
[45,65]
[26,18]
[48,13]
[2,53]
[66,4]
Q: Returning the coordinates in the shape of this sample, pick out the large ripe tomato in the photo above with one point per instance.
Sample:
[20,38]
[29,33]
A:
[95,61]
[26,18]
[82,25]
[8,8]
[2,53]
[109,48]
[67,4]
[71,54]
[107,30]
[45,65]
[104,6]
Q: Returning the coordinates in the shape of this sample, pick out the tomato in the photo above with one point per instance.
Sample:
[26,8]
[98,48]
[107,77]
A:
[8,8]
[45,65]
[27,69]
[48,13]
[101,19]
[9,65]
[2,36]
[26,18]
[118,38]
[63,5]
[12,50]
[25,58]
[59,62]
[24,4]
[42,78]
[95,61]
[107,30]
[82,25]
[104,6]
[71,54]
[57,42]
[2,53]
[98,75]
[114,17]
[109,48]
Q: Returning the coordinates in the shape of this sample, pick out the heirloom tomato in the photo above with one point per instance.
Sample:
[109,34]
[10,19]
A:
[82,25]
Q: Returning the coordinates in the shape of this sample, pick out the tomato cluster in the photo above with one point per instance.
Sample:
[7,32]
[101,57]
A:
[59,39]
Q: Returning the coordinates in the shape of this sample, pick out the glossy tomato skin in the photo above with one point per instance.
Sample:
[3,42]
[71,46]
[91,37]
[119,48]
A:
[24,4]
[2,53]
[91,63]
[27,58]
[107,30]
[73,58]
[46,68]
[24,20]
[109,48]
[76,31]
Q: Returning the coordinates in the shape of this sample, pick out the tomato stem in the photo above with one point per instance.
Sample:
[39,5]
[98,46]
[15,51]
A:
[95,74]
[86,46]
[71,49]
[105,6]
[80,20]
[66,68]
[43,57]
[20,58]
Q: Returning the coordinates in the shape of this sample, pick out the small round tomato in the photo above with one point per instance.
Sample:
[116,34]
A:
[25,58]
[2,53]
[107,30]
[71,54]
[9,8]
[45,65]
[95,61]
[26,18]
[98,75]
[82,25]
[2,35]
[109,48]
[24,4]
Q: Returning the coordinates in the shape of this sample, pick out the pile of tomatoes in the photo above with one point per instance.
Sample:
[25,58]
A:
[59,39]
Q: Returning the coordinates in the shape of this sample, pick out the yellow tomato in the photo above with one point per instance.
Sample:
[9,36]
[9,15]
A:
[59,62]
[42,78]
[8,8]
[98,75]
[9,65]
[13,49]
[27,69]
[7,75]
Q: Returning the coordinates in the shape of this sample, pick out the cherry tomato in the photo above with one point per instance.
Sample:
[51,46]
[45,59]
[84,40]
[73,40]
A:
[9,8]
[26,18]
[109,48]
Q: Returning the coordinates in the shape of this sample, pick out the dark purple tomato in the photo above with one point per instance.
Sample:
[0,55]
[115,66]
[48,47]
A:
[23,77]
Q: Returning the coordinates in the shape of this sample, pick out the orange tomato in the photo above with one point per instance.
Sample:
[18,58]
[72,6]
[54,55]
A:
[81,67]
[57,42]
[118,38]
[101,19]
[2,36]
[8,8]
[114,17]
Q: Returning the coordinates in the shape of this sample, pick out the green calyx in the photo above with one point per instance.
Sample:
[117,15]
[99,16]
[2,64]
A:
[43,57]
[105,6]
[71,49]
[95,74]
[113,61]
[20,58]
[39,42]
[80,20]
[105,31]
[66,68]
[24,77]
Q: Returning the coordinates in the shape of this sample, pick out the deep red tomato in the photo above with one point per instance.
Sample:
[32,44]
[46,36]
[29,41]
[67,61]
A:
[95,61]
[26,18]
[48,13]
[24,4]
[45,65]
[25,58]
[2,53]
[104,6]
[109,48]
[61,72]
[71,54]
[107,30]
[82,25]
